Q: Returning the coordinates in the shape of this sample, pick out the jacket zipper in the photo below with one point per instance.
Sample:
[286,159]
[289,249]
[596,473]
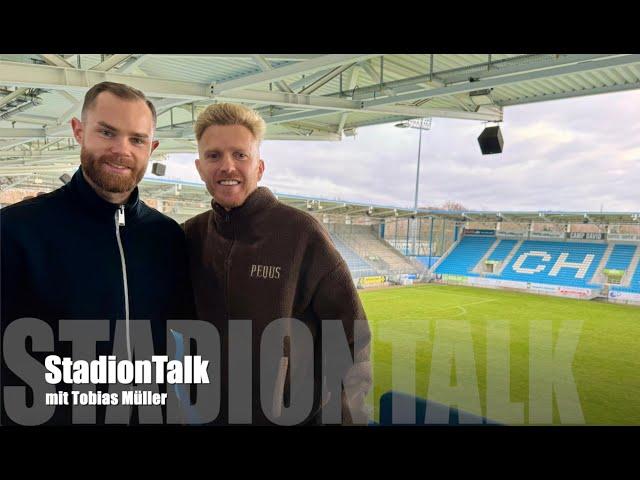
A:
[120,222]
[119,218]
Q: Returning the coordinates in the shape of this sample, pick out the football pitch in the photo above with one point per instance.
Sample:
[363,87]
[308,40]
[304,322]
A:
[516,358]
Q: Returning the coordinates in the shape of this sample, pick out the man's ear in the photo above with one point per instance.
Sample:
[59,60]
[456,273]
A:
[260,169]
[78,129]
[198,167]
[154,145]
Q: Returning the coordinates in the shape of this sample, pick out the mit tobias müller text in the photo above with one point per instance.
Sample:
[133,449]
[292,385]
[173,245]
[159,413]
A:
[131,397]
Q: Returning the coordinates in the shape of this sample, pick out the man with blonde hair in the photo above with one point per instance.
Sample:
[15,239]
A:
[255,259]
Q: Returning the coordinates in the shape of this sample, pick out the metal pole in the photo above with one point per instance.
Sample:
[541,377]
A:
[430,242]
[406,245]
[444,226]
[419,236]
[415,198]
[395,232]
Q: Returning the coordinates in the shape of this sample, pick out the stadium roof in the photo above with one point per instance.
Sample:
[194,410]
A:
[301,96]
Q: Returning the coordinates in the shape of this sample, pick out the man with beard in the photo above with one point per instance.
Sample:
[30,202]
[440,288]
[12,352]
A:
[93,249]
[255,258]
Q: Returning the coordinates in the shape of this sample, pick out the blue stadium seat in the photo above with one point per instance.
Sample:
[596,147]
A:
[465,256]
[621,257]
[502,250]
[542,261]
[634,285]
[535,260]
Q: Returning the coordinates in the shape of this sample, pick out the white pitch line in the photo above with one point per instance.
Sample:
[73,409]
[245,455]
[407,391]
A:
[457,294]
[463,310]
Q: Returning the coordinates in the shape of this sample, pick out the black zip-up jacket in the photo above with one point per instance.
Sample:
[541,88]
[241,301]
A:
[69,254]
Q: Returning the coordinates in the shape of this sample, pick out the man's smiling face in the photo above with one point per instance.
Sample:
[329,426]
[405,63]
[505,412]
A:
[229,163]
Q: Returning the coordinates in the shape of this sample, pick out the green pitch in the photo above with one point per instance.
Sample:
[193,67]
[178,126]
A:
[516,358]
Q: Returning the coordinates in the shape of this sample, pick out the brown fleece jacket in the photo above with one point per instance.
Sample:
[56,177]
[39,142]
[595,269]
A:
[265,261]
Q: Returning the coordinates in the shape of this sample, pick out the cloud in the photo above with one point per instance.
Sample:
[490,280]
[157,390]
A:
[573,154]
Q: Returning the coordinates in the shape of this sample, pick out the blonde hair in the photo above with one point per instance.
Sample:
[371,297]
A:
[230,114]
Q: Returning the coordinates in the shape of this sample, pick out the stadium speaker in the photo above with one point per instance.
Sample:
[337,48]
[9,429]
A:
[490,140]
[65,178]
[158,169]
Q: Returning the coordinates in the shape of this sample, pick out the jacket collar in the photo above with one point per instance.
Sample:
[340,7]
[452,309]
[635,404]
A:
[239,219]
[87,198]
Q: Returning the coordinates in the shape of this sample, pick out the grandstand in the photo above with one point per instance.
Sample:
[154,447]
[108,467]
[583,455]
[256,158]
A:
[357,265]
[579,268]
[364,242]
[553,253]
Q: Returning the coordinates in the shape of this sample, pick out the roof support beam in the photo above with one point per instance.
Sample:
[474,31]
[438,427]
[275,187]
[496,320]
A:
[58,78]
[22,132]
[294,100]
[265,66]
[36,119]
[468,86]
[309,79]
[295,57]
[352,81]
[132,63]
[401,110]
[446,77]
[325,79]
[61,78]
[373,75]
[23,135]
[289,70]
[55,60]
[557,96]
[12,96]
[111,62]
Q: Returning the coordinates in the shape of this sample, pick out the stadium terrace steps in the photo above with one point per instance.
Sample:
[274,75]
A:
[395,261]
[631,280]
[516,246]
[485,257]
[599,277]
[502,251]
[621,256]
[445,255]
[361,241]
[357,265]
[463,259]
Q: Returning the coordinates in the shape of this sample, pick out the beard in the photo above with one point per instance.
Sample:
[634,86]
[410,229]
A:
[92,166]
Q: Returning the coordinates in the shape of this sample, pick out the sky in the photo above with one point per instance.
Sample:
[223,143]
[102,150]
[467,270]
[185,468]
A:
[579,154]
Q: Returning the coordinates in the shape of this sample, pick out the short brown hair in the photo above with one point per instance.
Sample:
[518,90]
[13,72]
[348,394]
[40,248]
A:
[119,90]
[231,114]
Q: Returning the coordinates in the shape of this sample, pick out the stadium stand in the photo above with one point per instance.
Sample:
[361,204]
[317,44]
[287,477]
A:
[556,263]
[631,280]
[357,265]
[362,241]
[502,250]
[463,259]
[621,257]
[561,263]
